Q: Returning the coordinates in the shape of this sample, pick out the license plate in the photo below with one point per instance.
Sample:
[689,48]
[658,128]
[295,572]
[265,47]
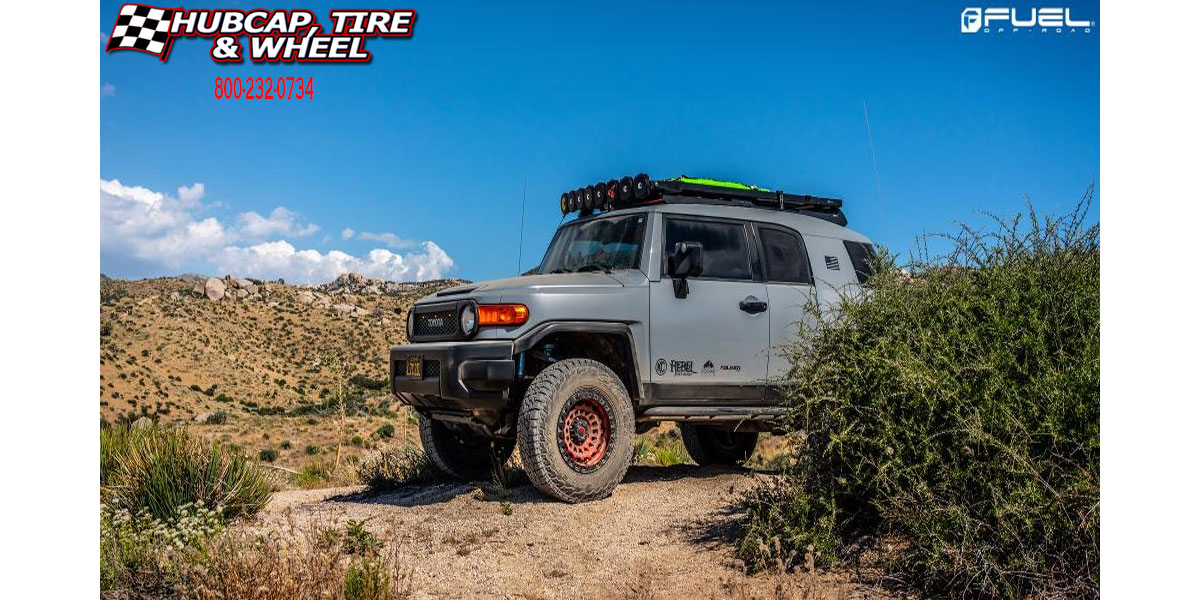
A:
[413,366]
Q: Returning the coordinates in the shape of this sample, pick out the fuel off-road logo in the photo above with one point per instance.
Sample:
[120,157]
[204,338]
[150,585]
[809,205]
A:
[277,35]
[1030,20]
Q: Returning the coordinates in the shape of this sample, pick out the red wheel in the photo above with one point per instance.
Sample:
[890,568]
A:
[584,431]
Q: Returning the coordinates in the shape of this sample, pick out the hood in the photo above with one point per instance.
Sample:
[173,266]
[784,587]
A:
[529,283]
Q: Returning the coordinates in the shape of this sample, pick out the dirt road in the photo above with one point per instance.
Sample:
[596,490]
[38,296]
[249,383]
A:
[667,532]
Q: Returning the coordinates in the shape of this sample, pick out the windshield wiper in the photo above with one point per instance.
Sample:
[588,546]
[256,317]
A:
[607,268]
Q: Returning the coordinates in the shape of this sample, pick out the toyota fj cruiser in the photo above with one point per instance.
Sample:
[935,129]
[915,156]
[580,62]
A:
[666,300]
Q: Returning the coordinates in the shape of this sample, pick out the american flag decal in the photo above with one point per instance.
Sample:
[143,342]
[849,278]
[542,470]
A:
[145,28]
[831,263]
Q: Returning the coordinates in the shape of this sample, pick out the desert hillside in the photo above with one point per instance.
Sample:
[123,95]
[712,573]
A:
[256,363]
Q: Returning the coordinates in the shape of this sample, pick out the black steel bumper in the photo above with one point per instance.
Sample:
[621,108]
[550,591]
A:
[460,376]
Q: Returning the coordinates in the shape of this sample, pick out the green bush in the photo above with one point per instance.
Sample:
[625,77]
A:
[312,475]
[368,579]
[386,431]
[268,454]
[359,540]
[369,383]
[955,409]
[160,470]
[393,467]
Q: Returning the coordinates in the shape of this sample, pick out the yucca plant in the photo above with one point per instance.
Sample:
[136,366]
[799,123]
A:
[160,469]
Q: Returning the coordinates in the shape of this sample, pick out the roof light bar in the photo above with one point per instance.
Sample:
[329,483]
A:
[640,188]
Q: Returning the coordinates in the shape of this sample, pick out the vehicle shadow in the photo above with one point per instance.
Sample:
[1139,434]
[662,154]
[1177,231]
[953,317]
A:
[519,490]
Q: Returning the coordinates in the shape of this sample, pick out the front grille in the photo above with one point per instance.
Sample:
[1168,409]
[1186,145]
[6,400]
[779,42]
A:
[436,323]
[431,369]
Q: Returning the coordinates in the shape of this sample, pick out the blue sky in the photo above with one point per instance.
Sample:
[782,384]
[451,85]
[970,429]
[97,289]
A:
[427,147]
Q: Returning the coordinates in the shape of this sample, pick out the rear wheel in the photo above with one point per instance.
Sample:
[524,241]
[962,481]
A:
[460,453]
[712,446]
[576,430]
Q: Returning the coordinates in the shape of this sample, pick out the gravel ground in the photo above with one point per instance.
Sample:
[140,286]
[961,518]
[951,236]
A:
[666,532]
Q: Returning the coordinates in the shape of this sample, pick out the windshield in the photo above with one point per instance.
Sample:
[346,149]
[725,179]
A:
[596,245]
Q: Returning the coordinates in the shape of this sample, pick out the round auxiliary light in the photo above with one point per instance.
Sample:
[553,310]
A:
[610,193]
[625,190]
[641,186]
[575,201]
[563,201]
[599,197]
[468,319]
[589,197]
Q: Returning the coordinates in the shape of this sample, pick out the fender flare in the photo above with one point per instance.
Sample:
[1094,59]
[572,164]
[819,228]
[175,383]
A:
[530,338]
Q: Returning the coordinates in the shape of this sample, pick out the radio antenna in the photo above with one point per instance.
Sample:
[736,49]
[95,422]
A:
[521,232]
[874,164]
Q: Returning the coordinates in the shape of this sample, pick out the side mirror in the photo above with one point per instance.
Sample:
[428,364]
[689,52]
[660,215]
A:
[687,260]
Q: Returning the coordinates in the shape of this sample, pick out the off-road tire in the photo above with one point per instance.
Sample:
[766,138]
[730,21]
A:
[460,454]
[553,395]
[712,446]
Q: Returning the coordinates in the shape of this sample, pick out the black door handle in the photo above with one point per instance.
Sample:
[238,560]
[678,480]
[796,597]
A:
[752,305]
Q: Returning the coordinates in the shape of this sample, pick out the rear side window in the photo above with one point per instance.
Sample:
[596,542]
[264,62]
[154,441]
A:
[726,253]
[786,258]
[862,256]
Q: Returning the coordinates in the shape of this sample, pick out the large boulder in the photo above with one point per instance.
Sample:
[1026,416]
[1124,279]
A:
[214,288]
[349,309]
[306,297]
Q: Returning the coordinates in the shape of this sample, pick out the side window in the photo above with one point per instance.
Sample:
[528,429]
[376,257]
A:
[861,256]
[726,253]
[787,261]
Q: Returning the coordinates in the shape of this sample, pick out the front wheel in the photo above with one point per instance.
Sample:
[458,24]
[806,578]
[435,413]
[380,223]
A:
[459,453]
[712,446]
[575,430]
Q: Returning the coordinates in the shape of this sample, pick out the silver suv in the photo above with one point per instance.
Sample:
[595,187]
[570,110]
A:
[669,300]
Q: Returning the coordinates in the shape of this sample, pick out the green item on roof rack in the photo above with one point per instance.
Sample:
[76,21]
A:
[717,182]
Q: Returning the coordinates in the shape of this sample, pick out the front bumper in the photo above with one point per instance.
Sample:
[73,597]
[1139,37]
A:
[458,376]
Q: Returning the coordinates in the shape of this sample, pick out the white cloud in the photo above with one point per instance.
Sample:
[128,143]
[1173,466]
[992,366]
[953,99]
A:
[191,193]
[108,89]
[146,233]
[347,233]
[390,239]
[281,222]
[145,226]
[280,259]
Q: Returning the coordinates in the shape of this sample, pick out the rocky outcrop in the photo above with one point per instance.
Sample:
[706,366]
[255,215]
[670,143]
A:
[215,289]
[230,288]
[357,284]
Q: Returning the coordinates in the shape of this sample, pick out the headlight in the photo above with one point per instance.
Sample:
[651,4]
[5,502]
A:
[467,319]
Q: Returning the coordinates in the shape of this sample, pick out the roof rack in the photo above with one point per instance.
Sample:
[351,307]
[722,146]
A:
[632,191]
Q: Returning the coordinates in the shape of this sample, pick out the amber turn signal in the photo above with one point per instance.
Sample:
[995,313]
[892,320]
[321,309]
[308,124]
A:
[503,314]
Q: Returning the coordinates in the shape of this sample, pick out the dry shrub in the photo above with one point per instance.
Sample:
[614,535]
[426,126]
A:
[318,563]
[395,466]
[956,410]
[255,567]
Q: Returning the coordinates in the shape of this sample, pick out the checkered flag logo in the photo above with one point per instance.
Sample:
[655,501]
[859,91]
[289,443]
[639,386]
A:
[141,27]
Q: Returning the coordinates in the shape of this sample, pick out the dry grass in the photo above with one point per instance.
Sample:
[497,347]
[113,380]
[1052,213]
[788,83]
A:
[325,562]
[308,564]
